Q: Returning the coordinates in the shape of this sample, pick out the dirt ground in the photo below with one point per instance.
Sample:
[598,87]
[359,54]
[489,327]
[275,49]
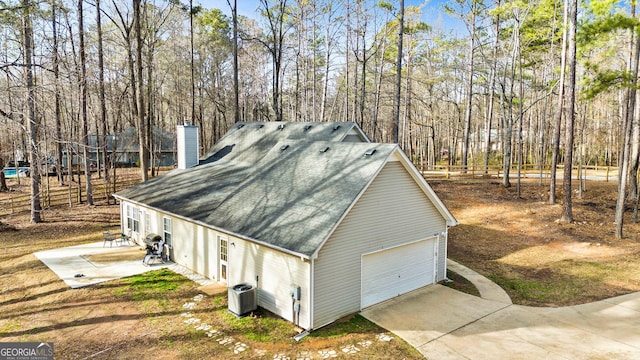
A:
[516,242]
[520,244]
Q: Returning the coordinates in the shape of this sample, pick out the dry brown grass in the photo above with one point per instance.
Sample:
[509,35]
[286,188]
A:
[520,244]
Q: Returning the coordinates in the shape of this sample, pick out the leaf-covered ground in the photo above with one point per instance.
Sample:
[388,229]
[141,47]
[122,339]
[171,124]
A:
[539,261]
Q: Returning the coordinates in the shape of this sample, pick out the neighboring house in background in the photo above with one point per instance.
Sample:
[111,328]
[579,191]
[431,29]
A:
[314,207]
[127,152]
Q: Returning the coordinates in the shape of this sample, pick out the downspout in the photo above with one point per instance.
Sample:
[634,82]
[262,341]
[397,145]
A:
[303,334]
[312,291]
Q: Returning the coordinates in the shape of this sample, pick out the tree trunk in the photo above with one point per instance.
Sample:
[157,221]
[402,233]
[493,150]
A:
[191,63]
[467,120]
[103,102]
[236,91]
[628,128]
[492,85]
[328,43]
[3,181]
[363,80]
[32,121]
[378,85]
[276,27]
[83,105]
[520,115]
[141,121]
[57,100]
[507,108]
[567,211]
[558,118]
[396,113]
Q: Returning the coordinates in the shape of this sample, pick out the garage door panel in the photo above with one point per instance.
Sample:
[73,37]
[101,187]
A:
[392,272]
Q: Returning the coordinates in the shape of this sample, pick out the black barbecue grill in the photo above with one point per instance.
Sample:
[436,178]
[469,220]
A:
[156,249]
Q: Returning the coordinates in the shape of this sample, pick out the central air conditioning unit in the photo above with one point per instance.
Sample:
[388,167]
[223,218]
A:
[243,299]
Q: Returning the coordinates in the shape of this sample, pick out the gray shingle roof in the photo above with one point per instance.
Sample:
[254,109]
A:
[288,194]
[246,140]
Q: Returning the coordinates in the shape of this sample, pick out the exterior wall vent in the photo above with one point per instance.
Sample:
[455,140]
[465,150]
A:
[188,146]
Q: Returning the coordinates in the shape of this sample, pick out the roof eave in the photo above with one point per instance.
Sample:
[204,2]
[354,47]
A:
[216,228]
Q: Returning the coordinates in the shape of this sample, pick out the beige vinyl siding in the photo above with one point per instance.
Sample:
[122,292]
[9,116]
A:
[192,245]
[392,211]
[353,138]
[276,273]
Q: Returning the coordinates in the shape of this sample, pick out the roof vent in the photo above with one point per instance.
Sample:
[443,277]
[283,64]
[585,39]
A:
[324,149]
[281,127]
[284,147]
[240,126]
[307,127]
[260,126]
[336,127]
[370,152]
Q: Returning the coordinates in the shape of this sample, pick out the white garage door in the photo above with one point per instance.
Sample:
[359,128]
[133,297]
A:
[389,273]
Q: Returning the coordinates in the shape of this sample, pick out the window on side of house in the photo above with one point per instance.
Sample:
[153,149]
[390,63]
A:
[166,224]
[147,223]
[136,220]
[129,217]
[224,248]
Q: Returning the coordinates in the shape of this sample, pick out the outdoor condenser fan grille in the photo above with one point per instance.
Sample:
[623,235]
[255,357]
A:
[243,299]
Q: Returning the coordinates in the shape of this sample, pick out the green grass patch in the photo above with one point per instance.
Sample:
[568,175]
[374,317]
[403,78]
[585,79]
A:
[152,285]
[220,301]
[356,324]
[260,326]
[537,291]
[590,270]
[10,325]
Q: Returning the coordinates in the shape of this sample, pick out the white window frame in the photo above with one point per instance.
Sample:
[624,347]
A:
[147,222]
[129,217]
[223,258]
[133,219]
[167,230]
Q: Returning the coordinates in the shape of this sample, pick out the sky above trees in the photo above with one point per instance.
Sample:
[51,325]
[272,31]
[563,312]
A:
[433,12]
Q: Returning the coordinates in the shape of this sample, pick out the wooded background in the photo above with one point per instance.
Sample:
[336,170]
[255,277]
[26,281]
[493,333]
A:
[500,93]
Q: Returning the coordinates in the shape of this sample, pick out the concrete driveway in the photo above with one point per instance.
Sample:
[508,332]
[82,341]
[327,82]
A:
[443,323]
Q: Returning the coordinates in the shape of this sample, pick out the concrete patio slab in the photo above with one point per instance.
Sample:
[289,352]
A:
[90,264]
